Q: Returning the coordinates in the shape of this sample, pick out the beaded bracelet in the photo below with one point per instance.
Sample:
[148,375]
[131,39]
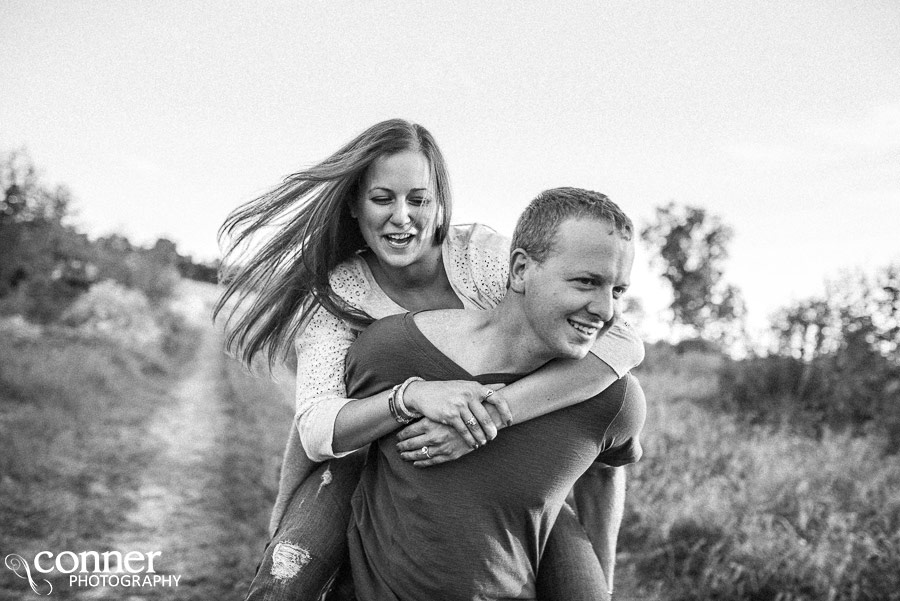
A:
[401,406]
[392,406]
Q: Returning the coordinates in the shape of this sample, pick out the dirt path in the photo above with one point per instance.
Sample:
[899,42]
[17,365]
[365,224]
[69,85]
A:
[201,502]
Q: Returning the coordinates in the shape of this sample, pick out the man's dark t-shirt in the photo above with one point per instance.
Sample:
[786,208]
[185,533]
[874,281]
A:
[473,528]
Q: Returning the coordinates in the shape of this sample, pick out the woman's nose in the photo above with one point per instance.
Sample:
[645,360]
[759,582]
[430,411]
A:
[400,212]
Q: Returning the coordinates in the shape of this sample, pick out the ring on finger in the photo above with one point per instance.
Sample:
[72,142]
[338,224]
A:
[487,395]
[425,452]
[471,422]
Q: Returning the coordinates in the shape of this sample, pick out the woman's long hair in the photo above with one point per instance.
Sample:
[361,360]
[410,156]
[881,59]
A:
[273,291]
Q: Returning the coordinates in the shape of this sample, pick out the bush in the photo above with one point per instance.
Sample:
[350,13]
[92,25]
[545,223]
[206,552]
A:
[815,396]
[109,310]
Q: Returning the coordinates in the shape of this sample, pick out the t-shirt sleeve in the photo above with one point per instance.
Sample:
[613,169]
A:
[620,348]
[623,434]
[320,395]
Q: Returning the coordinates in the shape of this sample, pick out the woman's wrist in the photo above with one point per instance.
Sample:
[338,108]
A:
[410,400]
[401,400]
[401,413]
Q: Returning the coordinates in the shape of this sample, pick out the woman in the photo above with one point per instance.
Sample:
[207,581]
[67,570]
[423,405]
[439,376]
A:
[362,235]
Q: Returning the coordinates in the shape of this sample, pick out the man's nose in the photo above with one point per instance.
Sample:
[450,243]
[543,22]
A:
[603,306]
[400,212]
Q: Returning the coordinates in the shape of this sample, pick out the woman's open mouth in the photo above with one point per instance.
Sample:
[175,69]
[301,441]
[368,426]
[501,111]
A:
[398,240]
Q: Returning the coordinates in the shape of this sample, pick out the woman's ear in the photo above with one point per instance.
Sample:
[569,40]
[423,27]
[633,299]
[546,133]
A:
[353,209]
[519,262]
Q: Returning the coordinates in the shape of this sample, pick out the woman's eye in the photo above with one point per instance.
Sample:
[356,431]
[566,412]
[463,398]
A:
[381,199]
[418,200]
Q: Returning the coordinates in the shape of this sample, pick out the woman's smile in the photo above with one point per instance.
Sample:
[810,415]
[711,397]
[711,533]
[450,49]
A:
[399,240]
[395,212]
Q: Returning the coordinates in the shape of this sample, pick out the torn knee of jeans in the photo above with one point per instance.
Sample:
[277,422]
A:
[288,559]
[326,479]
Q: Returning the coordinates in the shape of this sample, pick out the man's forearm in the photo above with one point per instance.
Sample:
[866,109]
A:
[600,502]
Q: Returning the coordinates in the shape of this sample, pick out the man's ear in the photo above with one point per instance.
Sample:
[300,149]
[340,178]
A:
[518,265]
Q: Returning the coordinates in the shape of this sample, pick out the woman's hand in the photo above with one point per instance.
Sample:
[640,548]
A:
[443,442]
[460,405]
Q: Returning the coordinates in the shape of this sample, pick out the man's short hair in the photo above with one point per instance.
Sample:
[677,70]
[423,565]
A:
[536,228]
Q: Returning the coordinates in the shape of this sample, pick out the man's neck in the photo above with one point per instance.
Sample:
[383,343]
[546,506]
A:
[493,341]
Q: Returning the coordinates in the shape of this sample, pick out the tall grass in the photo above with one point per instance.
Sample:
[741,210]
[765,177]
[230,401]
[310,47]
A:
[73,411]
[721,510]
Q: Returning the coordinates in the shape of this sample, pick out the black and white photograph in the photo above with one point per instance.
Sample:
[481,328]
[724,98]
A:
[459,301]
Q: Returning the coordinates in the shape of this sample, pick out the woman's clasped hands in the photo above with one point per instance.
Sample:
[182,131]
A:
[458,417]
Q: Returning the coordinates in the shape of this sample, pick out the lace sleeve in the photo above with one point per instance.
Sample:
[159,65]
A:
[321,392]
[620,348]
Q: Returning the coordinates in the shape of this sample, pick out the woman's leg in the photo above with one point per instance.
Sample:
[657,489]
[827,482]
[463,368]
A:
[569,568]
[311,543]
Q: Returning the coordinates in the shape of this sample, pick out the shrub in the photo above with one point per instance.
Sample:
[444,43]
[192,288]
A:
[110,310]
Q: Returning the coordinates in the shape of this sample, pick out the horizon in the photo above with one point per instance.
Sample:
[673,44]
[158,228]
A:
[782,120]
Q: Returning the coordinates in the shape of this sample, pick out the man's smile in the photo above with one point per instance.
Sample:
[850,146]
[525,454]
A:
[582,328]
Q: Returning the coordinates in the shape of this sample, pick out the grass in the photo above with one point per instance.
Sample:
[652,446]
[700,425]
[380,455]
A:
[721,510]
[717,510]
[75,419]
[72,415]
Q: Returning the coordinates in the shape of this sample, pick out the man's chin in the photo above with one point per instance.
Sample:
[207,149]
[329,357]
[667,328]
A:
[578,351]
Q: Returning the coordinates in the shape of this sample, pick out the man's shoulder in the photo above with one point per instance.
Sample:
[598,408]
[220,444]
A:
[437,323]
[389,327]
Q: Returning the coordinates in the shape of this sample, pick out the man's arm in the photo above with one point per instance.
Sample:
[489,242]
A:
[600,503]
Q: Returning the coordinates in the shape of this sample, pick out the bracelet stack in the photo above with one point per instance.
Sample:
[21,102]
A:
[396,405]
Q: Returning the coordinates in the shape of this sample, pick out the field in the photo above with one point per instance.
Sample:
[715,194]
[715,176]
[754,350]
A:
[718,509]
[105,447]
[173,447]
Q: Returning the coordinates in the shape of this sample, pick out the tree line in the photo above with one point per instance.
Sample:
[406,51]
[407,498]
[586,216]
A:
[834,362]
[45,262]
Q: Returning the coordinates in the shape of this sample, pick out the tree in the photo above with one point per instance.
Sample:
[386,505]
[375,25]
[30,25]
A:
[835,363]
[36,247]
[690,248]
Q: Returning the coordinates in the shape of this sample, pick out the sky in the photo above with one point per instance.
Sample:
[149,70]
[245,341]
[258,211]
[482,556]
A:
[781,118]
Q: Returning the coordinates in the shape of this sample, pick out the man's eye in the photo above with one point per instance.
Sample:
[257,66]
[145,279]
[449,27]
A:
[618,292]
[585,281]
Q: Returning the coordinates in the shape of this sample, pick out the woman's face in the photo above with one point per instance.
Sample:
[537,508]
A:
[396,210]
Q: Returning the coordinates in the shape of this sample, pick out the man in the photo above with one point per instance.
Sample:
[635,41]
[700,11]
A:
[476,528]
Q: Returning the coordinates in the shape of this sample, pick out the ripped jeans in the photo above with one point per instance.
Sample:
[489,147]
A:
[309,550]
[310,546]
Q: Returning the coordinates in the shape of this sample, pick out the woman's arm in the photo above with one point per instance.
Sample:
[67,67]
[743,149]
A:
[457,404]
[320,393]
[558,384]
[331,425]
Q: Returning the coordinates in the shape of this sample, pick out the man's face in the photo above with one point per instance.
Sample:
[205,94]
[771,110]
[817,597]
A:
[571,295]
